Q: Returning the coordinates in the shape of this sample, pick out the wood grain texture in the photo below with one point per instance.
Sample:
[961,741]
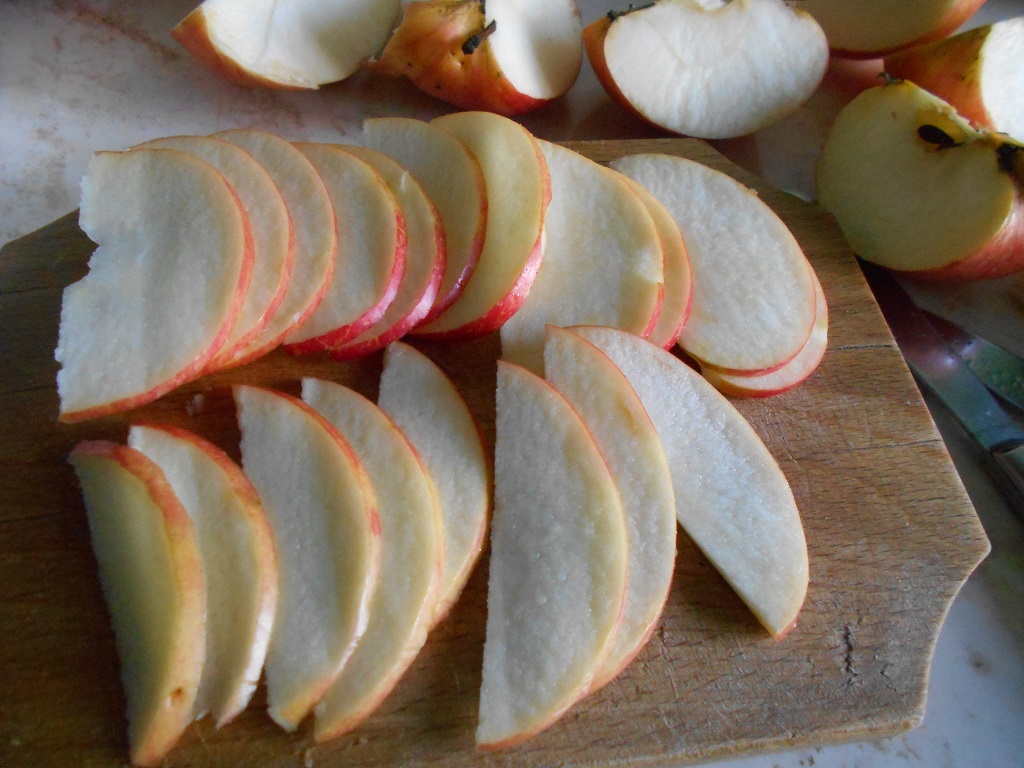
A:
[891,534]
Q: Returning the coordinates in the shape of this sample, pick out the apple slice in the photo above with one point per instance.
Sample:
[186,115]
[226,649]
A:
[300,44]
[427,407]
[632,449]
[664,61]
[239,560]
[371,254]
[978,72]
[452,179]
[518,192]
[512,57]
[916,189]
[424,260]
[731,497]
[164,286]
[273,251]
[152,578]
[323,512]
[551,624]
[753,293]
[603,262]
[412,557]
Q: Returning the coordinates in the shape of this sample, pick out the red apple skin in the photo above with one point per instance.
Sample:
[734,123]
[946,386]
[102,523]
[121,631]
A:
[441,303]
[952,22]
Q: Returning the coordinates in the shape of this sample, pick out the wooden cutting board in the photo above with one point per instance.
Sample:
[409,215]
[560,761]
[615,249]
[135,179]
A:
[891,534]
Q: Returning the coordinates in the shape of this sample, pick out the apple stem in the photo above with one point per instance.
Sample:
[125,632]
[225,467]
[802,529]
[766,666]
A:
[474,41]
[613,15]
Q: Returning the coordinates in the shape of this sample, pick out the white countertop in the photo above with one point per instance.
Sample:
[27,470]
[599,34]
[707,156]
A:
[79,76]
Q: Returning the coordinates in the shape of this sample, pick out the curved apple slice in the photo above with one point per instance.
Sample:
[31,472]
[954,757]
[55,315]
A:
[412,557]
[152,578]
[549,625]
[323,513]
[164,286]
[603,262]
[371,252]
[239,560]
[753,294]
[731,497]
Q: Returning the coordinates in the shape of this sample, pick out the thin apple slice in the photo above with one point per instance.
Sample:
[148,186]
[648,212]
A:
[412,558]
[427,407]
[371,251]
[731,497]
[239,560]
[602,265]
[152,578]
[550,625]
[164,286]
[632,449]
[753,293]
[424,260]
[323,512]
[518,192]
[452,179]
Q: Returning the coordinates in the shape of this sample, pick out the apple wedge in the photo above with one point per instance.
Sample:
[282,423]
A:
[412,558]
[731,497]
[916,189]
[602,264]
[239,560]
[152,578]
[323,513]
[664,61]
[630,445]
[164,286]
[427,407]
[753,291]
[510,57]
[549,625]
[302,44]
[370,261]
[518,192]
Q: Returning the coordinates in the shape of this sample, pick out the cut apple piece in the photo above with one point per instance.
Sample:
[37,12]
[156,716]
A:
[753,293]
[427,407]
[152,578]
[731,497]
[301,44]
[630,445]
[664,61]
[916,189]
[424,260]
[412,558]
[602,264]
[518,192]
[452,179]
[164,286]
[371,254]
[239,560]
[512,57]
[323,512]
[549,625]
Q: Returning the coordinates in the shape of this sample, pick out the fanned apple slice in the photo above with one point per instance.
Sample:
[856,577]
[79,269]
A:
[273,251]
[239,560]
[427,407]
[323,512]
[602,265]
[731,497]
[412,556]
[753,294]
[630,446]
[370,261]
[424,260]
[164,286]
[518,192]
[558,563]
[152,578]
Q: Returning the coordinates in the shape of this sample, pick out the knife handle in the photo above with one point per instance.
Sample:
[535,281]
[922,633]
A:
[1012,464]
